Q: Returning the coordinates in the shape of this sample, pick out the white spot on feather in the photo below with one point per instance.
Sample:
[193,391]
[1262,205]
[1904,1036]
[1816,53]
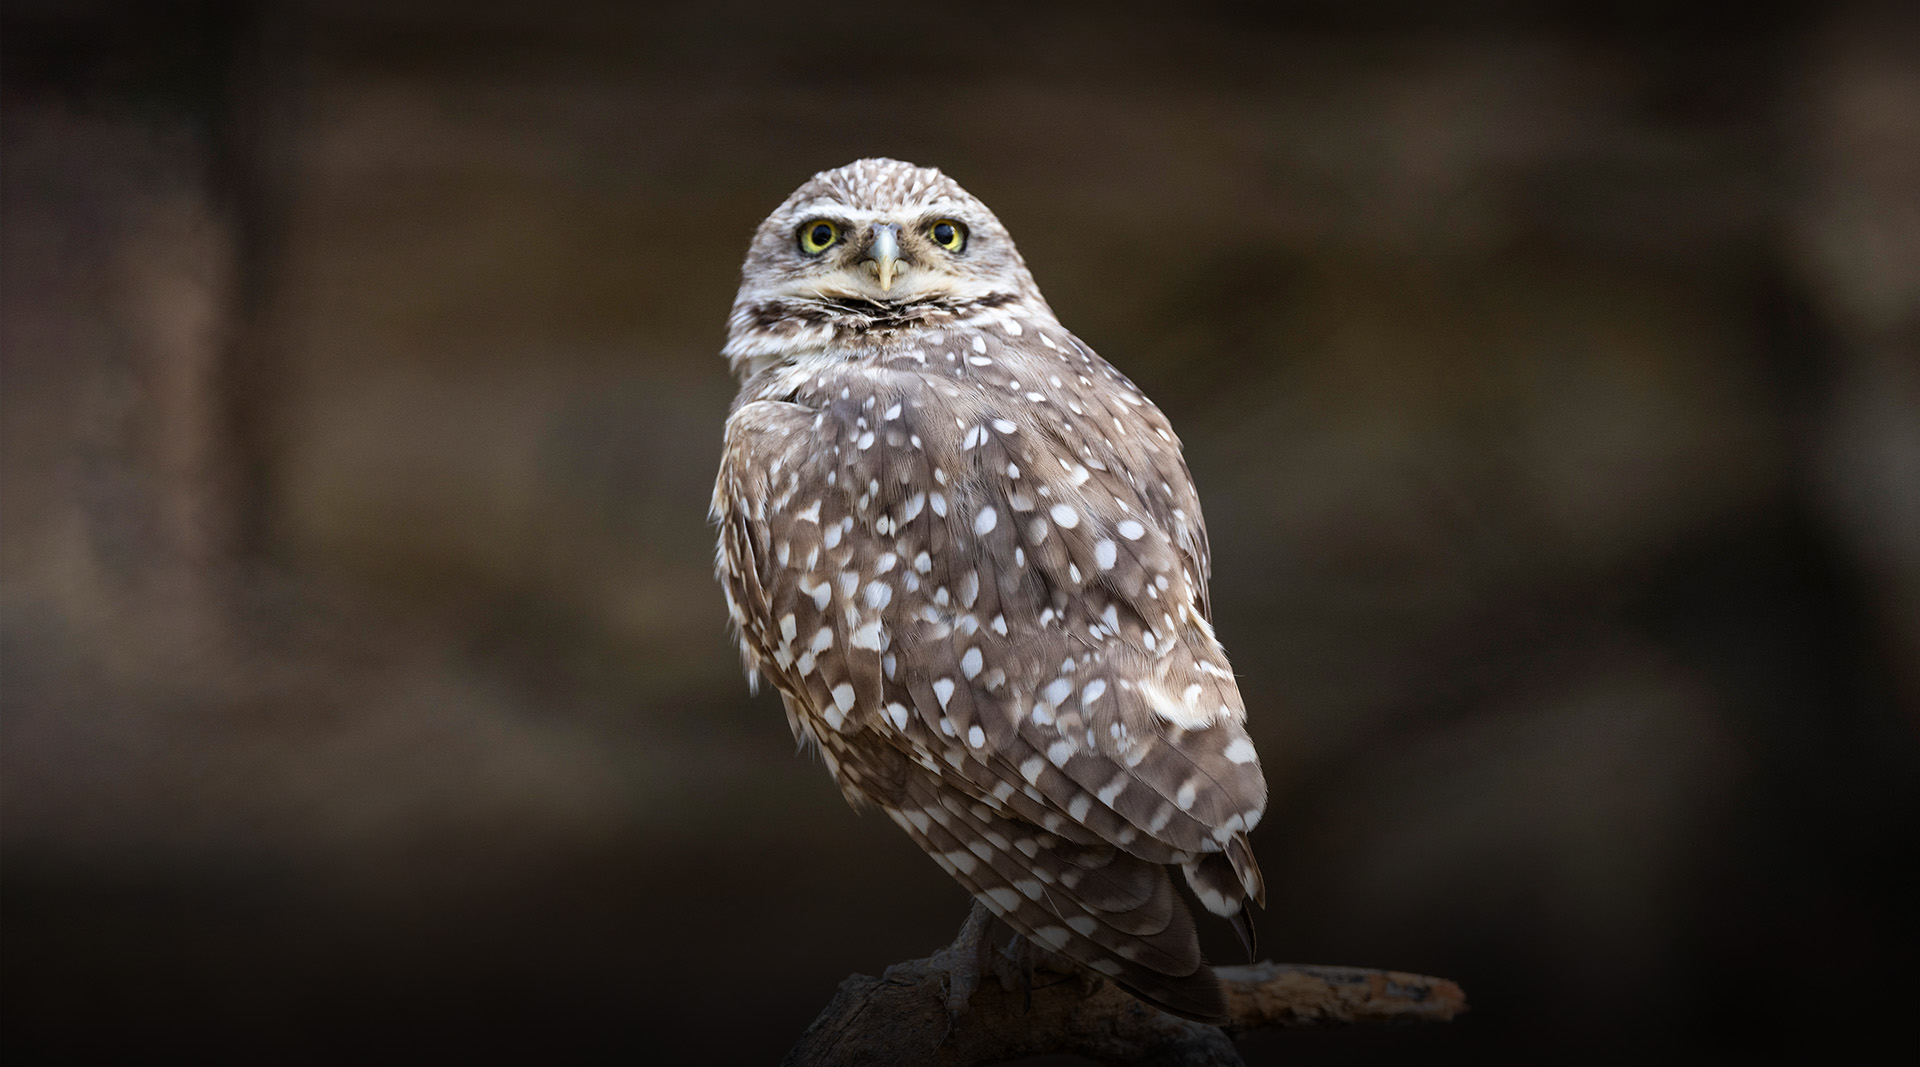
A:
[868,636]
[1184,714]
[1105,553]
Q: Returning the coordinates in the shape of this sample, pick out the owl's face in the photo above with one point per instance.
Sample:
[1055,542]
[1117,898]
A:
[883,232]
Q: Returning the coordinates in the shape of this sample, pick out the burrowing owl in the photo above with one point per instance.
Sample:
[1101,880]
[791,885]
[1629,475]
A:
[969,555]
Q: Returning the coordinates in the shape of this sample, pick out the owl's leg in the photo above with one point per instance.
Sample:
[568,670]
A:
[1014,968]
[1022,959]
[973,956]
[966,959]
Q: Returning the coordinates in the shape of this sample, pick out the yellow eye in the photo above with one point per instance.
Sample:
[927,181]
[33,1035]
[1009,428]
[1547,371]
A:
[818,236]
[948,234]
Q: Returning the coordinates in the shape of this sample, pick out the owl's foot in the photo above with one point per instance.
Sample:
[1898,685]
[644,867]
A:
[967,959]
[1025,965]
[972,956]
[1014,967]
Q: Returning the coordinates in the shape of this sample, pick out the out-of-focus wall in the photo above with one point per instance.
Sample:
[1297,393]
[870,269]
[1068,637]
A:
[1551,376]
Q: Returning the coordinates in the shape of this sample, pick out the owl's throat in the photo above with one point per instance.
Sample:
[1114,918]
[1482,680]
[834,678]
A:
[856,315]
[775,330]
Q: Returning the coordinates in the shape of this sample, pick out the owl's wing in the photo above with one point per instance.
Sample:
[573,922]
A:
[1057,609]
[995,614]
[787,550]
[1064,599]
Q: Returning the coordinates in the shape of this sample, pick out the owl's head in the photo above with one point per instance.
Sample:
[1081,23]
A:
[883,233]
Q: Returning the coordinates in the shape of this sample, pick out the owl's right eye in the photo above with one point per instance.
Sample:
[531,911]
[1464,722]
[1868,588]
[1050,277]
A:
[818,236]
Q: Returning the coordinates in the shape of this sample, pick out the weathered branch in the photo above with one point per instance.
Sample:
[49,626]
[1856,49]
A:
[902,1018]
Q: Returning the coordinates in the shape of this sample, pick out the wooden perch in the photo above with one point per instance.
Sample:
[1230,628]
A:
[902,1018]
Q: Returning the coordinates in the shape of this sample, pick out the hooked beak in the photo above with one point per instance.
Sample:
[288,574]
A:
[885,254]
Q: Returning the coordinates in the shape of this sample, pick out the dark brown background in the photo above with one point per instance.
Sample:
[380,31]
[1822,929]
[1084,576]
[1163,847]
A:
[1551,374]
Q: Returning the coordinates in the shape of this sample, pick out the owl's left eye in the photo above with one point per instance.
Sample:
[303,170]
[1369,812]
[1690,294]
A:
[818,236]
[948,234]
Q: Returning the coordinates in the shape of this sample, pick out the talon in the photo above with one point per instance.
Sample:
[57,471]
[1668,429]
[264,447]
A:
[960,989]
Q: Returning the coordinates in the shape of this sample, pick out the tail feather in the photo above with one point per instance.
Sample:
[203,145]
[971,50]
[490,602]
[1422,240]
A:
[1249,938]
[1222,884]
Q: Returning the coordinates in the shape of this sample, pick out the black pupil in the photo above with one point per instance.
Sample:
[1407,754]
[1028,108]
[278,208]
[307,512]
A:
[822,234]
[943,233]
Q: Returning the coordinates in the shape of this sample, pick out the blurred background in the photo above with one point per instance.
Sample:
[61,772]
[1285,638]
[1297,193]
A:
[1550,373]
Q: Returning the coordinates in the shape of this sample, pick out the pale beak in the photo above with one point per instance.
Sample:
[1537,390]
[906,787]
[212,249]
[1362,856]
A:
[885,253]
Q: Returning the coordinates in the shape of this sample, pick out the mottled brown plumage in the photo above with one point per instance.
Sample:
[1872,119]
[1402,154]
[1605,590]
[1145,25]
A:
[968,553]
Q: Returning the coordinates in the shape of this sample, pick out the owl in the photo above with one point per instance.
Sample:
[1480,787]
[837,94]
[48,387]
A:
[969,555]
